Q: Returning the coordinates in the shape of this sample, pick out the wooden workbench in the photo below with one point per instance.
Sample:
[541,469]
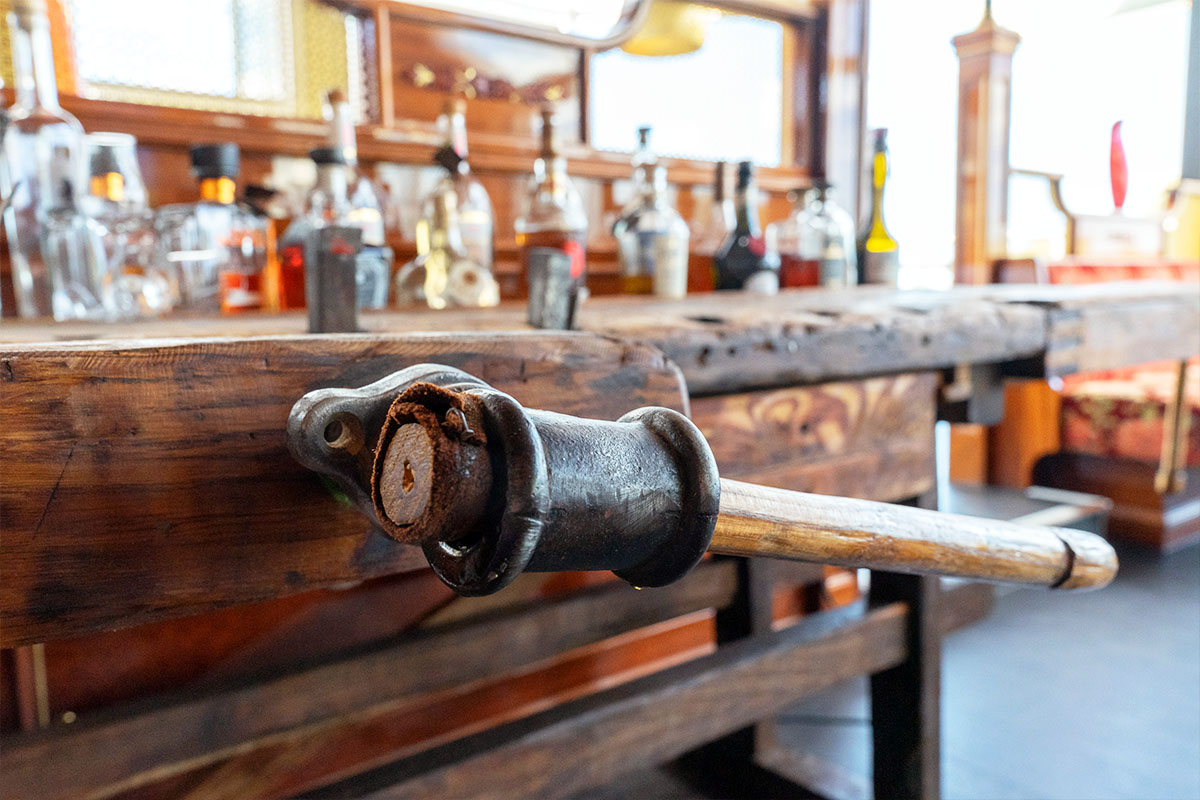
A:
[146,481]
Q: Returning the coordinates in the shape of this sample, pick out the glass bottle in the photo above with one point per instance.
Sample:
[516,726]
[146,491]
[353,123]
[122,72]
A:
[328,203]
[57,261]
[652,239]
[815,245]
[218,248]
[713,220]
[365,210]
[446,271]
[555,216]
[136,283]
[878,251]
[742,261]
[453,266]
[475,218]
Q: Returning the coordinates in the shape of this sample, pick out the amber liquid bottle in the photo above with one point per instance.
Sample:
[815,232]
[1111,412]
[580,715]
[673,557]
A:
[878,251]
[555,217]
[710,227]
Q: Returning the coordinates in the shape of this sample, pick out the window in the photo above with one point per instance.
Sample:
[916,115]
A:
[721,102]
[1081,66]
[588,19]
[269,57]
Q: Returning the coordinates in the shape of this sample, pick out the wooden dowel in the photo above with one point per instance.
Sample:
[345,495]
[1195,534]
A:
[761,521]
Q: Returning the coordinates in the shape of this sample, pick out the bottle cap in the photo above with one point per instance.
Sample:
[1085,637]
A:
[454,105]
[447,158]
[335,96]
[327,155]
[27,11]
[103,161]
[643,135]
[216,160]
[745,172]
[880,135]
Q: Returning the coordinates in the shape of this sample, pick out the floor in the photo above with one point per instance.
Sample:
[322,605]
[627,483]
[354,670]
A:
[1091,696]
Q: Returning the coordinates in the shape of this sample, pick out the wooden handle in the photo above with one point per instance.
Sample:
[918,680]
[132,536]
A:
[760,521]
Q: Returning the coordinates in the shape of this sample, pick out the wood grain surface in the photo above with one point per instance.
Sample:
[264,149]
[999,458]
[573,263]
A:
[316,708]
[591,741]
[144,479]
[733,342]
[761,521]
[871,439]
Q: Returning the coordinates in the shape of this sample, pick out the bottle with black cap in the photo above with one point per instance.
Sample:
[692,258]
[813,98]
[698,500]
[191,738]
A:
[742,262]
[329,204]
[220,249]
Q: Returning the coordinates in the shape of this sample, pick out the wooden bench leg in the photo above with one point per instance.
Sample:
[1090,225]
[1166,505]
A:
[905,700]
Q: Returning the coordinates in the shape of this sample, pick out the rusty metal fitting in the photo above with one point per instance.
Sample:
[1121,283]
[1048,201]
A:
[489,489]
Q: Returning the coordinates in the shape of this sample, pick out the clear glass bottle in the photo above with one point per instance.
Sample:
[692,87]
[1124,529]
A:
[555,216]
[328,203]
[475,217]
[652,239]
[878,251]
[742,261]
[453,266]
[815,245]
[57,261]
[365,209]
[219,249]
[136,283]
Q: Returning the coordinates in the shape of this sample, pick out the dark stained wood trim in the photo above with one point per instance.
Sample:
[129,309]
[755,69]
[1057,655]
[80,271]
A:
[162,737]
[593,740]
[906,699]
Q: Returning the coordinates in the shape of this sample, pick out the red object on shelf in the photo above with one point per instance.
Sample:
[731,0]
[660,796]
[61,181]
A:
[1118,169]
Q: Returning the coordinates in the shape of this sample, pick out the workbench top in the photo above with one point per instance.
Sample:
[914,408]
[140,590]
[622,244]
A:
[734,341]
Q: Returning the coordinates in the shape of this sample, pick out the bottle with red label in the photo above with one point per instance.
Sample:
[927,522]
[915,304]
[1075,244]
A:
[554,216]
[742,261]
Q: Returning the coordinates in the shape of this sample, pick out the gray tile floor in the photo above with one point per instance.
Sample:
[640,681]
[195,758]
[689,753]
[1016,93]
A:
[1092,696]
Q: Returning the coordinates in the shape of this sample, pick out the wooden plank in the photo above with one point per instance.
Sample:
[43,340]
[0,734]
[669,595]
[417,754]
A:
[731,341]
[1092,336]
[739,342]
[149,479]
[590,741]
[311,708]
[870,439]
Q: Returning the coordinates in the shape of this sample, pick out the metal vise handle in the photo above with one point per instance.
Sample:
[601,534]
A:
[489,489]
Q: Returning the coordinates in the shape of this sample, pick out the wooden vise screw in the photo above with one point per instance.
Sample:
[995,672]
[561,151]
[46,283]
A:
[488,489]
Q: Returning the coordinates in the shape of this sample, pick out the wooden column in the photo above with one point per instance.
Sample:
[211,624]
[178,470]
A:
[984,105]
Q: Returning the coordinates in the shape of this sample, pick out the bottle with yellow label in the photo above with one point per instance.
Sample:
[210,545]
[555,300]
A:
[878,251]
[219,249]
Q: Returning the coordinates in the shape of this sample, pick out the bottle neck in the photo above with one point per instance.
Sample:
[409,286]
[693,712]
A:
[550,172]
[454,136]
[745,204]
[341,135]
[218,190]
[331,180]
[879,170]
[33,63]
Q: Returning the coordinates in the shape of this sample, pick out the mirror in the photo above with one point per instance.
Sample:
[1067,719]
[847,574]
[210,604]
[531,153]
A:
[594,24]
